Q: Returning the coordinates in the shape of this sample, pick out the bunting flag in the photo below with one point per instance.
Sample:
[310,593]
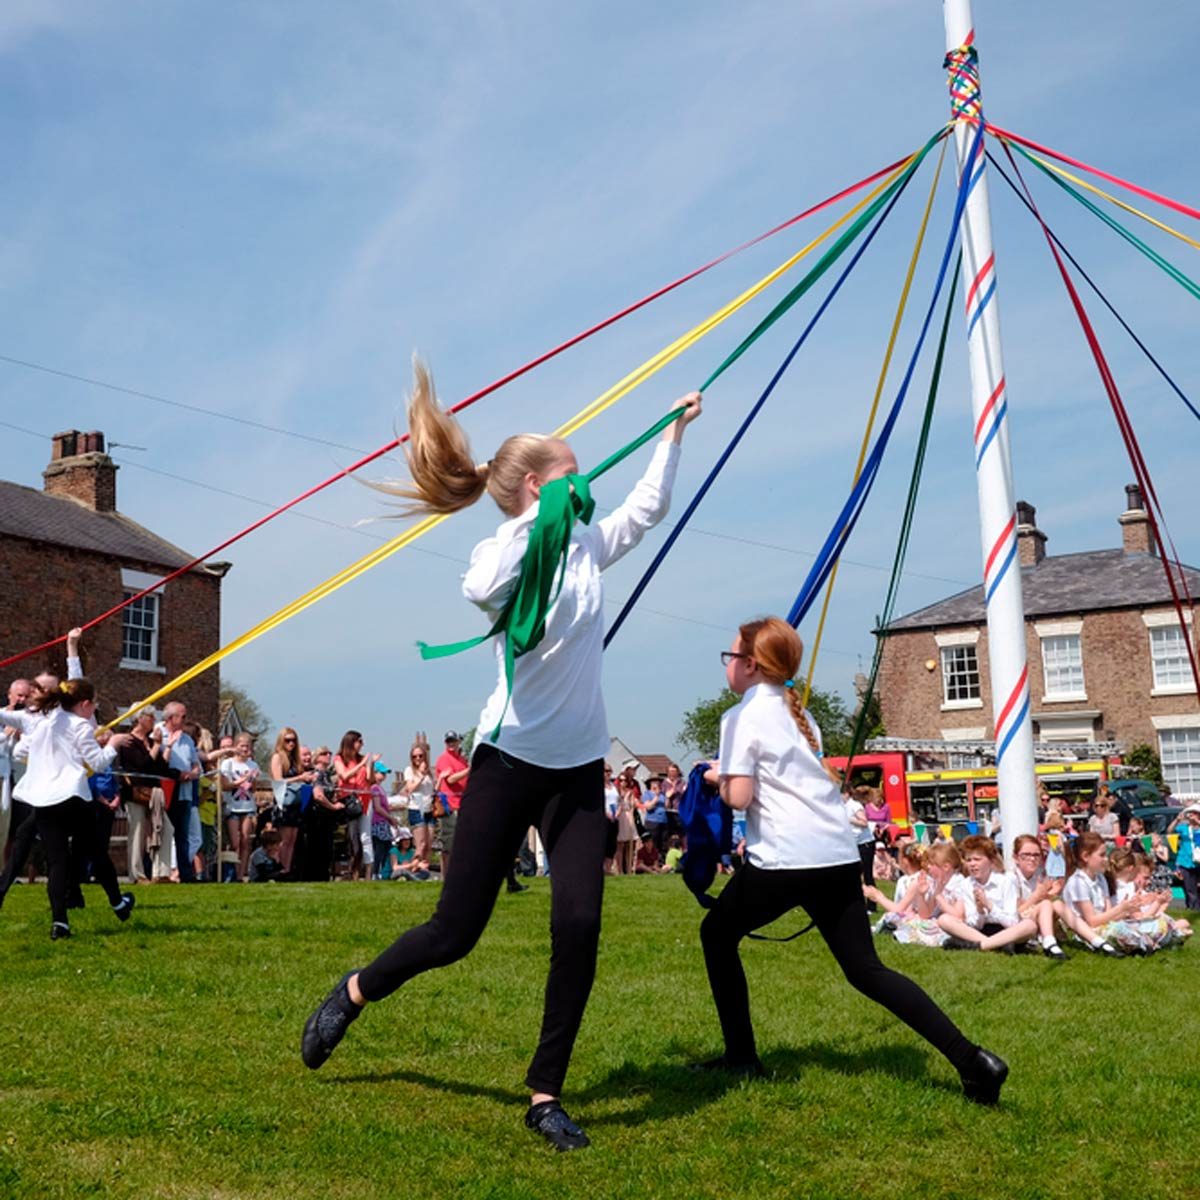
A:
[1053,839]
[1147,843]
[946,831]
[972,827]
[919,830]
[1173,842]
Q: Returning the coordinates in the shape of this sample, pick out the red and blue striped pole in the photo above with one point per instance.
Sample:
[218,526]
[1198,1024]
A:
[1007,667]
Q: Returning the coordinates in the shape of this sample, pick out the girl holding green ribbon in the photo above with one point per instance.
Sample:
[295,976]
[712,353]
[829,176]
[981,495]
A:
[544,734]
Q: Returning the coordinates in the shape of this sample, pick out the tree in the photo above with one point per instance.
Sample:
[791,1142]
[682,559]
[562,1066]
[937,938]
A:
[1146,761]
[702,723]
[701,729]
[254,720]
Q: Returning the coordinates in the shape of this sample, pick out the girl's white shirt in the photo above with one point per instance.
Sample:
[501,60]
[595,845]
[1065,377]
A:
[1080,887]
[61,747]
[796,818]
[421,796]
[1025,887]
[555,715]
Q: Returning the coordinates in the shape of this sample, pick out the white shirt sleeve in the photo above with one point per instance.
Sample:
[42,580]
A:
[642,509]
[74,667]
[739,743]
[17,718]
[98,757]
[496,562]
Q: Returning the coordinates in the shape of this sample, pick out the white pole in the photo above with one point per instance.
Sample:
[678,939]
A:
[1007,667]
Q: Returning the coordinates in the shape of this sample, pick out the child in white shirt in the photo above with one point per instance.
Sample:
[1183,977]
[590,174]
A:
[983,914]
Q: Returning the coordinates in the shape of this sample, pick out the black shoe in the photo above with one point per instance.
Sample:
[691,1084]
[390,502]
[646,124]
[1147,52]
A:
[1055,951]
[327,1026]
[1106,950]
[59,930]
[957,943]
[550,1119]
[125,906]
[751,1068]
[75,901]
[983,1079]
[513,888]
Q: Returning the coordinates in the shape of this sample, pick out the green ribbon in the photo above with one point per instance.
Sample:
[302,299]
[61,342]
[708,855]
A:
[1164,264]
[563,501]
[906,523]
[522,620]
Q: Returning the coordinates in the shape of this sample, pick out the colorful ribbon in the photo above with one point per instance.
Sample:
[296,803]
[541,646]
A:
[830,256]
[815,649]
[588,413]
[494,386]
[1136,458]
[1096,289]
[844,524]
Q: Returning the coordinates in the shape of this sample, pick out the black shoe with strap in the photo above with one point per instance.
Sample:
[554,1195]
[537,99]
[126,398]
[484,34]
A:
[550,1119]
[984,1077]
[327,1026]
[59,930]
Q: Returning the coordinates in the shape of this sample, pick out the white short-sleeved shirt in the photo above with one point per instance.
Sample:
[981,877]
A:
[902,886]
[1025,887]
[1002,892]
[863,834]
[796,818]
[1080,887]
[421,797]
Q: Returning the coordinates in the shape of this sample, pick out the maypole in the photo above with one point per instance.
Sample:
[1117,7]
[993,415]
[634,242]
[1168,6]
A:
[1008,669]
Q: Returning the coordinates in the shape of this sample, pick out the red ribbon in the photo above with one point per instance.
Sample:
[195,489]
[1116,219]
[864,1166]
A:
[496,385]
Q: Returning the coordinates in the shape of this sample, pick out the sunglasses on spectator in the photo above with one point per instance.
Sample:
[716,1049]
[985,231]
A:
[727,656]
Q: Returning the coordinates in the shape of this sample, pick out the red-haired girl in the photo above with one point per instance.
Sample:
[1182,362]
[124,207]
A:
[801,852]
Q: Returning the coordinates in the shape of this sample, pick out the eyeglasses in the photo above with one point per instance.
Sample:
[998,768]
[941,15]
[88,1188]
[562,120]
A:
[727,656]
[1030,854]
[289,741]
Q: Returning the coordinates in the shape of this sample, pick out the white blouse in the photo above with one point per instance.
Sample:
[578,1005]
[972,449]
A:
[61,746]
[796,818]
[555,716]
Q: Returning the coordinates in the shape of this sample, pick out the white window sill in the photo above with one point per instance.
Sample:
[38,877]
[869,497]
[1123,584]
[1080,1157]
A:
[1174,689]
[1064,698]
[956,705]
[130,664]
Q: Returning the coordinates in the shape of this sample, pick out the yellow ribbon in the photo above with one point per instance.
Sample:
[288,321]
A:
[1099,191]
[866,439]
[602,402]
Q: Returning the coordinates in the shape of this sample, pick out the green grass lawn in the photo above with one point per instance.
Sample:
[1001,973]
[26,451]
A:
[160,1058]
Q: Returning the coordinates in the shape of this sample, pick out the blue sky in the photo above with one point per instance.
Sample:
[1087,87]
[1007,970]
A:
[263,210]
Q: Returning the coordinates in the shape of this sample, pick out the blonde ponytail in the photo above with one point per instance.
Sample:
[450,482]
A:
[445,476]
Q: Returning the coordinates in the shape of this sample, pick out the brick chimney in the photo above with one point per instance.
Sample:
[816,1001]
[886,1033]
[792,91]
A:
[81,470]
[1136,535]
[1031,541]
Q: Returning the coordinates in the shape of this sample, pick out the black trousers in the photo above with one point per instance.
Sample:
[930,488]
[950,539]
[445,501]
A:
[832,897]
[504,796]
[59,825]
[23,825]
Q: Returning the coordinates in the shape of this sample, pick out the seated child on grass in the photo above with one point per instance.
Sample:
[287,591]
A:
[403,860]
[1155,930]
[981,913]
[674,853]
[264,862]
[1089,895]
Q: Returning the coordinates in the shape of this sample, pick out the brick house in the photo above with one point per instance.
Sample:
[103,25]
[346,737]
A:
[1107,657]
[67,554]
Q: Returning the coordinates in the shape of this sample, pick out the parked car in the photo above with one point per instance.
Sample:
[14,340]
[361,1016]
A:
[1155,817]
[1136,792]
